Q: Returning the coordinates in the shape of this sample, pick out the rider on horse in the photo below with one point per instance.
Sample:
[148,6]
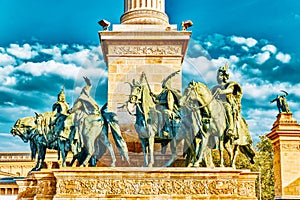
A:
[230,93]
[61,106]
[167,102]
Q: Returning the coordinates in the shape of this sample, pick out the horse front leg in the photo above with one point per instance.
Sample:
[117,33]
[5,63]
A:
[151,151]
[145,150]
[41,159]
[90,151]
[233,159]
[202,146]
[64,154]
[221,148]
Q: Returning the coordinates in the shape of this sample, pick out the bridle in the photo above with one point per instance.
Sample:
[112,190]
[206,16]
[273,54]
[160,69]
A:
[198,107]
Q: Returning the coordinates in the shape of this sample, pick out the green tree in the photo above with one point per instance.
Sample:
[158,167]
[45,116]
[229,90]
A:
[263,164]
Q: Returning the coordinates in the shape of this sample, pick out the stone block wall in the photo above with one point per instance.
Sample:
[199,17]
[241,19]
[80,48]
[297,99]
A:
[122,70]
[285,138]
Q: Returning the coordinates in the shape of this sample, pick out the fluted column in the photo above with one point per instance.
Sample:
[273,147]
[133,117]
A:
[143,3]
[149,4]
[162,5]
[144,12]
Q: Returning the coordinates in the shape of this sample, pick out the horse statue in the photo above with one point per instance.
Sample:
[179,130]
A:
[92,126]
[25,129]
[37,130]
[148,122]
[208,122]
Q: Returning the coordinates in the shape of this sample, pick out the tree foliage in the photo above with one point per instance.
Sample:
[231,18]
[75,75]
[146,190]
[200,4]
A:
[264,165]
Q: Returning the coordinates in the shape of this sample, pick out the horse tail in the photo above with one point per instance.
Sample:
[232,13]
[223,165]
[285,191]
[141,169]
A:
[112,121]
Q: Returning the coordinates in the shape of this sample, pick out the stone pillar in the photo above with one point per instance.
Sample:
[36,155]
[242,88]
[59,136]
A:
[285,136]
[144,12]
[143,42]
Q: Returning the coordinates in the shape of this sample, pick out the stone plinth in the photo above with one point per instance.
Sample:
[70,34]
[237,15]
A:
[285,136]
[143,183]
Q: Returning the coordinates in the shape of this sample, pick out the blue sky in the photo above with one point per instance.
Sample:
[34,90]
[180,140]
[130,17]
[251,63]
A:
[46,44]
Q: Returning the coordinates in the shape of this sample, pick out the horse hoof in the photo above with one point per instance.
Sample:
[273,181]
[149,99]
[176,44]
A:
[112,165]
[150,165]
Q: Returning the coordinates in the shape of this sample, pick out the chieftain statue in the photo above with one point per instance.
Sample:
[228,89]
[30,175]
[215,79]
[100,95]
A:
[212,119]
[282,104]
[167,102]
[230,93]
[157,116]
[84,133]
[205,119]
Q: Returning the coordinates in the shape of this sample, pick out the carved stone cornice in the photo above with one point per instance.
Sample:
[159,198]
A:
[284,126]
[144,43]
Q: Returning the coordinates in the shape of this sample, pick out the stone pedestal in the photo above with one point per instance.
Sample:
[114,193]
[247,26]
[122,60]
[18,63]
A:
[140,183]
[285,136]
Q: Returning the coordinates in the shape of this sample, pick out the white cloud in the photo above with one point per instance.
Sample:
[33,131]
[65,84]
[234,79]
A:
[284,58]
[271,48]
[254,120]
[85,58]
[5,78]
[9,81]
[259,92]
[6,60]
[262,57]
[245,48]
[208,44]
[22,52]
[55,52]
[264,90]
[250,42]
[197,47]
[233,59]
[50,67]
[196,65]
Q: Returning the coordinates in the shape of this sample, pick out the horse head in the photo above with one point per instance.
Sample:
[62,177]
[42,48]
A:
[24,128]
[40,123]
[135,96]
[197,97]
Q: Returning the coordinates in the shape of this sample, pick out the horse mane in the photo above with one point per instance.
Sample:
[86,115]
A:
[202,85]
[26,121]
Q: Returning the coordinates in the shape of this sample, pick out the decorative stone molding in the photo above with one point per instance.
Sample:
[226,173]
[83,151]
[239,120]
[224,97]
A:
[291,147]
[150,187]
[134,182]
[143,50]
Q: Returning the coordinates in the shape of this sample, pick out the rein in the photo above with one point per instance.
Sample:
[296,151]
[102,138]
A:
[203,106]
